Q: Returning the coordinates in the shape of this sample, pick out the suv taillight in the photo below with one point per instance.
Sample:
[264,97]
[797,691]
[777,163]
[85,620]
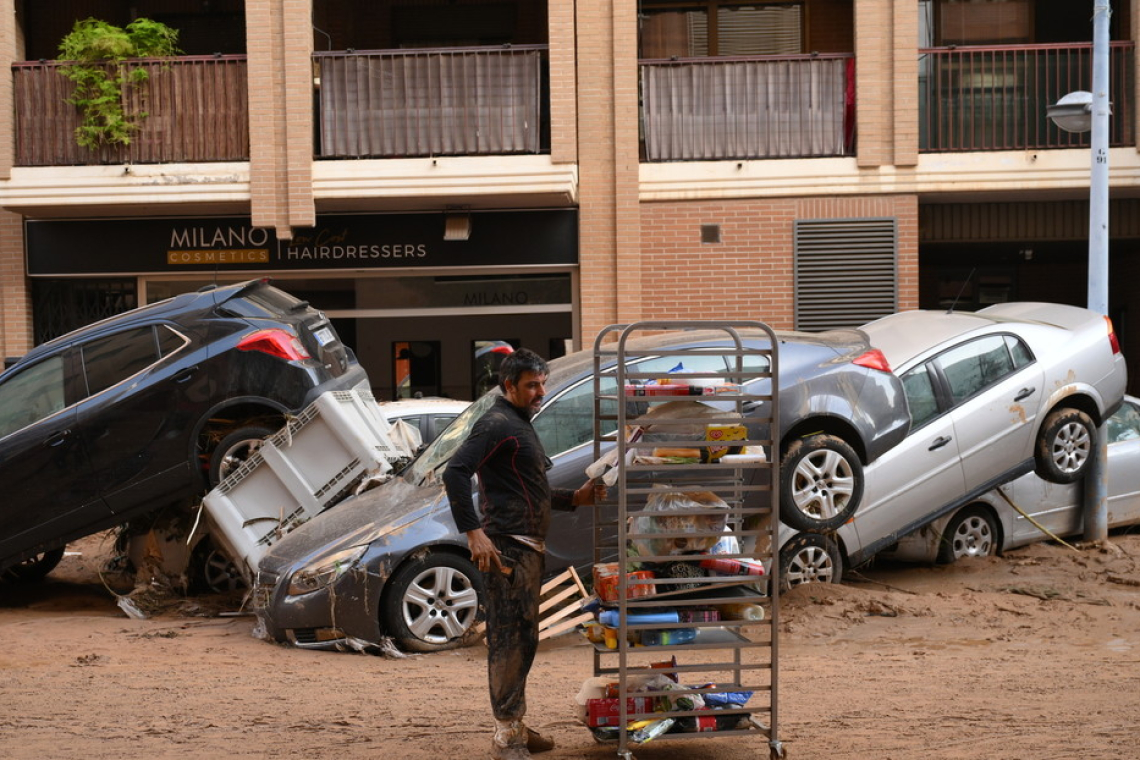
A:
[874,359]
[1112,339]
[279,343]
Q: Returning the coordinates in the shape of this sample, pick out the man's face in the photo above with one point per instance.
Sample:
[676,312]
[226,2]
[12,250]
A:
[528,393]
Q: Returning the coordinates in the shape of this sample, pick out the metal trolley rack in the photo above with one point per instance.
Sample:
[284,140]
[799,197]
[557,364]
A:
[706,653]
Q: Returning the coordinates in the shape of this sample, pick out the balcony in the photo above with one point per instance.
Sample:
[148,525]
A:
[197,105]
[475,101]
[994,98]
[754,107]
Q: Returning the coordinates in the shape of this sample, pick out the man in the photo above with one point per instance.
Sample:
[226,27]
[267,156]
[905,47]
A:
[508,544]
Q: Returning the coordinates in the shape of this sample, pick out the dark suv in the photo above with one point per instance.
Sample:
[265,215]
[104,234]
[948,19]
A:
[145,409]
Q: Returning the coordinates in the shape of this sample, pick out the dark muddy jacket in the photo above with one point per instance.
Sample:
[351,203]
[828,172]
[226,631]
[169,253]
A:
[505,453]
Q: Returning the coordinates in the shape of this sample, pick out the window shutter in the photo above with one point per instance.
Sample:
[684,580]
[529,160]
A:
[846,272]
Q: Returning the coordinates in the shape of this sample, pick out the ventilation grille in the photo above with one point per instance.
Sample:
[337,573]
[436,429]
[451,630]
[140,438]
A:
[846,272]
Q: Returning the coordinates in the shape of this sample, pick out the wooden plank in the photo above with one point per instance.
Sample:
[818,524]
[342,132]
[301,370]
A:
[559,597]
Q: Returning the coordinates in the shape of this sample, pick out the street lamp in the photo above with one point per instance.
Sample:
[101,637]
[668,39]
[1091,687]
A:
[1073,112]
[1070,112]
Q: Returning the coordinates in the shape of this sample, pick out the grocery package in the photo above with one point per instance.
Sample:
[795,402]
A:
[726,566]
[675,515]
[607,576]
[607,712]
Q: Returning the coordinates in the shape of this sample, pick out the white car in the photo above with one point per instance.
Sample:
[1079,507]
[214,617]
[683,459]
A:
[429,415]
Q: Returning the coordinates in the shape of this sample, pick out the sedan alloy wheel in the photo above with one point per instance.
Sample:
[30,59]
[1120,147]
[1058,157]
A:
[432,602]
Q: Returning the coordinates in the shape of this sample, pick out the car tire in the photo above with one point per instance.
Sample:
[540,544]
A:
[972,532]
[821,483]
[432,602]
[234,449]
[212,571]
[1065,446]
[34,569]
[810,558]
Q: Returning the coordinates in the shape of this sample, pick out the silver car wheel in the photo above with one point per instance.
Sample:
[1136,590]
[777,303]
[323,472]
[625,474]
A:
[1072,447]
[973,538]
[440,605]
[810,558]
[823,484]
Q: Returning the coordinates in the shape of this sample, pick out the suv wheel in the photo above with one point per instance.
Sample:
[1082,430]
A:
[821,483]
[234,449]
[212,571]
[1065,446]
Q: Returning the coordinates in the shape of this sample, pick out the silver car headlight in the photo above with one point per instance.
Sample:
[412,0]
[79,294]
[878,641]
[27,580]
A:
[324,570]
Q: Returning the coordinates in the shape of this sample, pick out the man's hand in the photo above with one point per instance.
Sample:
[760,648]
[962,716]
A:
[591,492]
[483,552]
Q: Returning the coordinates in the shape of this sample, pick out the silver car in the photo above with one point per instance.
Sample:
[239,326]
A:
[993,395]
[993,523]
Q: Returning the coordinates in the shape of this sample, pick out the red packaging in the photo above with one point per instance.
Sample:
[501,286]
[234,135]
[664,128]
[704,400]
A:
[733,566]
[607,712]
[669,389]
[606,583]
[704,723]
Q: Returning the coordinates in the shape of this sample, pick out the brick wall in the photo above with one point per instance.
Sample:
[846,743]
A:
[281,150]
[563,85]
[873,56]
[748,275]
[15,301]
[9,52]
[609,217]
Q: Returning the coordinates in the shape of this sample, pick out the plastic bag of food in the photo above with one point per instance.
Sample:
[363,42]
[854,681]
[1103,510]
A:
[679,520]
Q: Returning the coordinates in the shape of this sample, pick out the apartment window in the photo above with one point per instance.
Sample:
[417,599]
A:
[720,28]
[984,22]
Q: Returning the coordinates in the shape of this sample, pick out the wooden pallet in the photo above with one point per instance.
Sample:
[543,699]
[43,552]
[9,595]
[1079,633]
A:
[562,598]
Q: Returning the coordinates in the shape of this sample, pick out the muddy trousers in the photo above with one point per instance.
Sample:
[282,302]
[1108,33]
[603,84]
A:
[512,626]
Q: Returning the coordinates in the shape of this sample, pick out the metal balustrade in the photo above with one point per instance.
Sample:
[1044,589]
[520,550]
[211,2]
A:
[197,110]
[461,101]
[994,97]
[781,106]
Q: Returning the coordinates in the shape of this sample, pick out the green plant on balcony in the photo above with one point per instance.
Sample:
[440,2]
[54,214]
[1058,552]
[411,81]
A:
[98,56]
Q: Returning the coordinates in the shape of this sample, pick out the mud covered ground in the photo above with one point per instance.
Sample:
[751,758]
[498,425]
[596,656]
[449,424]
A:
[1032,656]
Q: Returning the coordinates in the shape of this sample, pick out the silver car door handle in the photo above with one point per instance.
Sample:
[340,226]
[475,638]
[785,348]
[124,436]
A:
[1024,393]
[939,442]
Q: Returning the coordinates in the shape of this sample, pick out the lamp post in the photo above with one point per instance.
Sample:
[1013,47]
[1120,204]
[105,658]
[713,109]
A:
[1080,112]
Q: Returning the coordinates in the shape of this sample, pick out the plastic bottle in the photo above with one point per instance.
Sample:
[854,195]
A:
[667,636]
[612,618]
[742,611]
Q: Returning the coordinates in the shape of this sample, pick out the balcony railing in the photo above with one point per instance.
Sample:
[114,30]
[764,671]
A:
[461,101]
[197,110]
[786,106]
[994,98]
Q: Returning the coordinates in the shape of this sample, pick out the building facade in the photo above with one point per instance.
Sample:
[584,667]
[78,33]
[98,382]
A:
[444,176]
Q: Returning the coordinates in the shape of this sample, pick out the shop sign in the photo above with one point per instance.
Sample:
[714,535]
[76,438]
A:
[356,242]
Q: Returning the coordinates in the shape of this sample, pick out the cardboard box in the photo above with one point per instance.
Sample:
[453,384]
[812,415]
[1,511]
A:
[724,433]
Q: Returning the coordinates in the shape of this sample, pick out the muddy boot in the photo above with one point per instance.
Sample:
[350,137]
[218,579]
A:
[510,741]
[536,742]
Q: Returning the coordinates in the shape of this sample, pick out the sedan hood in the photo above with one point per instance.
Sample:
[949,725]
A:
[362,519]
